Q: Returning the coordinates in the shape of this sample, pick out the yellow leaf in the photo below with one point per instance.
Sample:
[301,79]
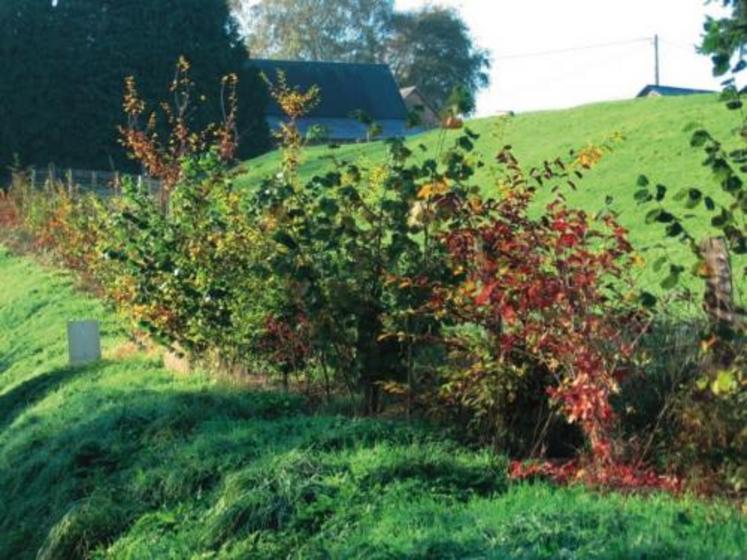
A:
[638,261]
[433,189]
[706,345]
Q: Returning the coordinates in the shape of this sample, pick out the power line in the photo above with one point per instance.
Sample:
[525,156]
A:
[566,74]
[574,49]
[691,48]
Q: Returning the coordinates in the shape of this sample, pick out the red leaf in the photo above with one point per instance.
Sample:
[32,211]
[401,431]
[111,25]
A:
[485,294]
[508,314]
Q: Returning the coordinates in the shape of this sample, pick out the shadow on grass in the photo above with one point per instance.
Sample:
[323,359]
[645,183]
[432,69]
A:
[14,401]
[84,471]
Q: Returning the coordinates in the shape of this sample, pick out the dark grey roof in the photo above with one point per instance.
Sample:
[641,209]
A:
[344,87]
[669,91]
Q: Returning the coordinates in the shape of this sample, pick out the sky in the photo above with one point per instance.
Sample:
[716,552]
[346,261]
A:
[512,29]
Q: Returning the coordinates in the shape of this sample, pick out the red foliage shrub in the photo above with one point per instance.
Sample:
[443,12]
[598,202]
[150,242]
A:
[547,293]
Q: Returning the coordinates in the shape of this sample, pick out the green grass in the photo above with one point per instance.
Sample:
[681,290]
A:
[656,143]
[125,460]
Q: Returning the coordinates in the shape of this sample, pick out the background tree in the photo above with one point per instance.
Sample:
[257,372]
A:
[430,48]
[68,61]
[335,30]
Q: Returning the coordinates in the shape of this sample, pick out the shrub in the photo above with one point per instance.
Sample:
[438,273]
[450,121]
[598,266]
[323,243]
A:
[343,245]
[540,326]
[188,257]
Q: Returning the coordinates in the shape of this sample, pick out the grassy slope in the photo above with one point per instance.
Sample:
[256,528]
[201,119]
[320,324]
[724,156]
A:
[124,460]
[656,143]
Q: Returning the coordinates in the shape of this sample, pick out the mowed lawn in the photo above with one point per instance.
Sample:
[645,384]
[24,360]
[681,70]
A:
[123,459]
[655,141]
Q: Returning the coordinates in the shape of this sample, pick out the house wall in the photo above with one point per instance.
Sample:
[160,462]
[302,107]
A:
[429,117]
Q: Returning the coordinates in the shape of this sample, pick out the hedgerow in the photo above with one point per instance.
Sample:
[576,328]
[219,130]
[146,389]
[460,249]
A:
[401,283]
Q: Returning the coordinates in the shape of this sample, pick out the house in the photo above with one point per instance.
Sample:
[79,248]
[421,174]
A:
[345,90]
[667,91]
[416,103]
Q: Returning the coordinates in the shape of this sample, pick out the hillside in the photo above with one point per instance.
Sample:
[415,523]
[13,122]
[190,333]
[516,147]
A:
[124,460]
[655,142]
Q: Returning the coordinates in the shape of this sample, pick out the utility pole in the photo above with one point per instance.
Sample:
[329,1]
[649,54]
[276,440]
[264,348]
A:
[656,58]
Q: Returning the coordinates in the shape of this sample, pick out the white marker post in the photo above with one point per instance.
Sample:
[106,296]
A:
[84,342]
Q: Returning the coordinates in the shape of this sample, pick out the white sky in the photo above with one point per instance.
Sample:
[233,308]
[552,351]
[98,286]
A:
[517,27]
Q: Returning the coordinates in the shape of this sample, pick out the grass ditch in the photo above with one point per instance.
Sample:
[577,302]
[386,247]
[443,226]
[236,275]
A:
[122,459]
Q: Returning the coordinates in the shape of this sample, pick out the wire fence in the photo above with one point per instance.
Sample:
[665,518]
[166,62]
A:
[103,183]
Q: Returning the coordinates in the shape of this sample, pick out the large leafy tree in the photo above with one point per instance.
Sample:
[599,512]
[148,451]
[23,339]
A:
[67,62]
[335,30]
[430,48]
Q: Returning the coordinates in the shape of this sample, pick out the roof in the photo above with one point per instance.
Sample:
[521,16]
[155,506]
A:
[669,91]
[345,87]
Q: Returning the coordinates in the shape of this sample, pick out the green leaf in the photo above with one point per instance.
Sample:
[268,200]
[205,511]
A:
[722,219]
[674,229]
[465,143]
[653,215]
[725,383]
[702,383]
[642,181]
[285,239]
[661,192]
[732,184]
[648,300]
[670,281]
[329,206]
[699,138]
[722,169]
[665,217]
[694,196]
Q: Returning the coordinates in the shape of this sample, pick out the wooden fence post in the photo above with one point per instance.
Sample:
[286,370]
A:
[718,300]
[51,175]
[719,294]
